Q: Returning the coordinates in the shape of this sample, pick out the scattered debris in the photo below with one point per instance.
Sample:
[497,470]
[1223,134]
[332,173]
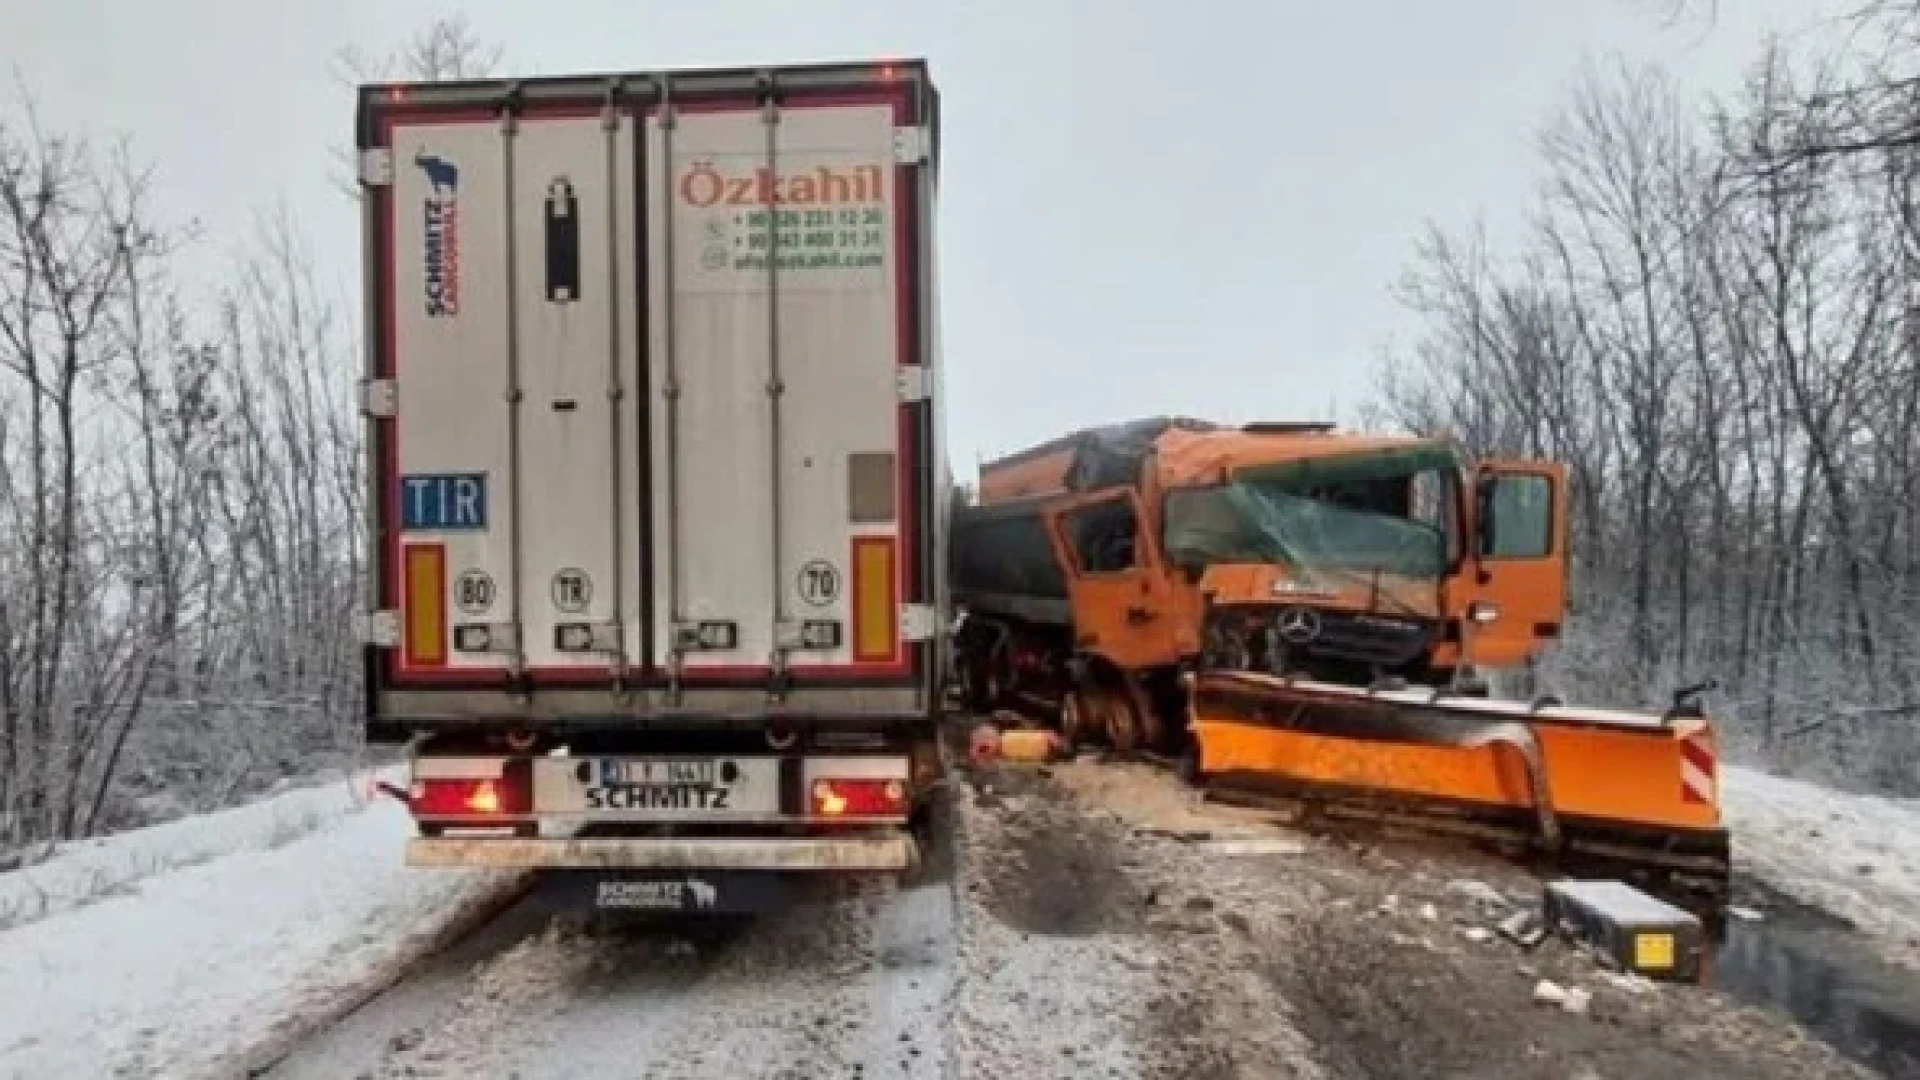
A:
[1548,992]
[983,744]
[1524,928]
[1479,892]
[1479,935]
[1185,836]
[1429,913]
[1568,998]
[1745,914]
[1030,746]
[1256,845]
[1629,982]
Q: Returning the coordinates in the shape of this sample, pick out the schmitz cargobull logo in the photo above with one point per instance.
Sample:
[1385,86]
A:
[440,225]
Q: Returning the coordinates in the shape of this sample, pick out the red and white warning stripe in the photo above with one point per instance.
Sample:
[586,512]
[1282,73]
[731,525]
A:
[1698,771]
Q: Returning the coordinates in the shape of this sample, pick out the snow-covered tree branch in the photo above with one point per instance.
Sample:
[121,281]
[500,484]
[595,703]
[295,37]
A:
[1721,342]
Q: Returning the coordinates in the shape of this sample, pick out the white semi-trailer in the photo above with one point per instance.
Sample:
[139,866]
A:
[658,491]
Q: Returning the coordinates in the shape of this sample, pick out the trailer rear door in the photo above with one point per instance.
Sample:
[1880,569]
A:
[781,450]
[646,380]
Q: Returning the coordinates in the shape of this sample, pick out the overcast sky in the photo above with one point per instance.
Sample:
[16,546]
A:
[1147,207]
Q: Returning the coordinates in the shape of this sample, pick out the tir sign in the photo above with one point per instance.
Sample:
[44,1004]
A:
[443,502]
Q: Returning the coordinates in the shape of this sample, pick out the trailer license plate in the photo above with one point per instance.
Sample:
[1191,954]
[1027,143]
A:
[674,785]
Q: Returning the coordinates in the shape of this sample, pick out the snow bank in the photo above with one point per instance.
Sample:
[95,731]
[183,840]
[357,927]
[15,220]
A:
[85,871]
[258,929]
[1856,856]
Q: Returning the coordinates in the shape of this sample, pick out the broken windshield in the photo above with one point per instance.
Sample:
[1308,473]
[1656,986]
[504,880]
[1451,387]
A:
[1385,511]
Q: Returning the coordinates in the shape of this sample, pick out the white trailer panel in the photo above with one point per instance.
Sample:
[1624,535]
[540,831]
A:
[454,500]
[580,462]
[517,350]
[650,398]
[776,352]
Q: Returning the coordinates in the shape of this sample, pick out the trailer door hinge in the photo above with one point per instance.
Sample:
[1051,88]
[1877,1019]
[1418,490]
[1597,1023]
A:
[914,382]
[379,398]
[376,167]
[381,629]
[911,145]
[919,622]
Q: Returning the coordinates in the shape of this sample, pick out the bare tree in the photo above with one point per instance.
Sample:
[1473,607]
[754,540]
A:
[74,242]
[180,547]
[1725,355]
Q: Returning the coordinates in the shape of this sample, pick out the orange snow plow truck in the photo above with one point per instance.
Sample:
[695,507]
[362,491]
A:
[1304,613]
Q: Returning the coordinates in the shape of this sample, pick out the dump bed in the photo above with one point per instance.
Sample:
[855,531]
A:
[650,393]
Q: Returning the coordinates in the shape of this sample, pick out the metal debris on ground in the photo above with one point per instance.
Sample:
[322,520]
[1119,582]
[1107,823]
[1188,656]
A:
[1745,914]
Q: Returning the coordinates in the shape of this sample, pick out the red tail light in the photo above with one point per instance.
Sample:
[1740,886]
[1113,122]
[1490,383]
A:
[858,798]
[467,798]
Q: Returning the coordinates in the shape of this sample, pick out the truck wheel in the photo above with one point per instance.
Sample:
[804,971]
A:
[1117,719]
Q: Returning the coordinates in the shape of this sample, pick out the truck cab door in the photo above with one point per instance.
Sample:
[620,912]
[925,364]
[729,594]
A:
[1121,604]
[1520,559]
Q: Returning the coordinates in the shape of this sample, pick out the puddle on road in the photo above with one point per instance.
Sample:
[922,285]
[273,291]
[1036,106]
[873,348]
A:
[1818,970]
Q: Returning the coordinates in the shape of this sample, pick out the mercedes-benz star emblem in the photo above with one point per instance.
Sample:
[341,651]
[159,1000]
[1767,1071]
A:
[1299,625]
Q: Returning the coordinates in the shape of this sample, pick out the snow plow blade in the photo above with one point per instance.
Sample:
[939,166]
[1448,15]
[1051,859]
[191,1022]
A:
[1635,794]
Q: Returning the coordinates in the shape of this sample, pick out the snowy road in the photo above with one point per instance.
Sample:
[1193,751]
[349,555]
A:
[1091,922]
[851,975]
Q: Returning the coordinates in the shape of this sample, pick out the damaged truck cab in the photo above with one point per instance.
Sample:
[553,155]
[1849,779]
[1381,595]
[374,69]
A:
[1147,548]
[1300,613]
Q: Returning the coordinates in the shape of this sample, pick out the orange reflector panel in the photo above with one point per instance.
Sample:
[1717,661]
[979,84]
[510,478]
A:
[876,604]
[426,613]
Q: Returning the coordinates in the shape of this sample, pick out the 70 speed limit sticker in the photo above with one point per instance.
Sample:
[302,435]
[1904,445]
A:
[819,583]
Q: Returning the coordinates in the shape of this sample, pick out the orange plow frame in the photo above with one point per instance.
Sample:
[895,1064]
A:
[1632,789]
